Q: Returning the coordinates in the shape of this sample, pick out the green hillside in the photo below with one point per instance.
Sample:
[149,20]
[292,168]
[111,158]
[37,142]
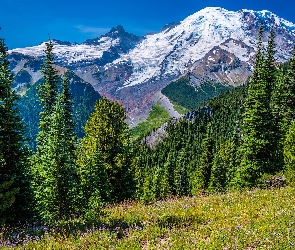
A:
[157,117]
[181,93]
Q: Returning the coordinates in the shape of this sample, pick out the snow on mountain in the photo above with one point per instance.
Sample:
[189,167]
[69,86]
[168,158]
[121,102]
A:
[213,43]
[67,53]
[171,51]
[242,51]
[267,15]
[71,53]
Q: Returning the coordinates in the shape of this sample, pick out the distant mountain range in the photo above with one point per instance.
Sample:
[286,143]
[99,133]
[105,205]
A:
[212,45]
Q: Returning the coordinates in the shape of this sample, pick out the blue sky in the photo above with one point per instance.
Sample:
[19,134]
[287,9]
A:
[30,22]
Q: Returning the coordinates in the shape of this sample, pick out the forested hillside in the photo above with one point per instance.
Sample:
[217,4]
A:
[182,93]
[238,139]
[195,151]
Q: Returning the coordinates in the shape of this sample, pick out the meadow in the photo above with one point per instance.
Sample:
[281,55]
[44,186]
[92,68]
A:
[256,219]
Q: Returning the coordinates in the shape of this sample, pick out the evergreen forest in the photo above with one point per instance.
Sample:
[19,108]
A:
[70,175]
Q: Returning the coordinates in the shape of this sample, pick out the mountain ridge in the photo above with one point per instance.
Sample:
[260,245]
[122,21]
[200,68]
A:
[132,70]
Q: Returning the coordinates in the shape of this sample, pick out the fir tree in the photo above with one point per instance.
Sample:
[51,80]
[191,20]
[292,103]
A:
[56,193]
[53,166]
[234,160]
[148,194]
[289,155]
[14,179]
[94,183]
[181,183]
[220,168]
[258,149]
[47,93]
[290,91]
[283,103]
[202,174]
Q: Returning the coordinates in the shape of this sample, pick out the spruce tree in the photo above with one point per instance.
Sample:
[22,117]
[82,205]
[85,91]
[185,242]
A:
[258,149]
[201,176]
[289,155]
[220,168]
[53,165]
[94,183]
[290,91]
[57,190]
[47,93]
[14,178]
[148,193]
[283,102]
[275,161]
[181,181]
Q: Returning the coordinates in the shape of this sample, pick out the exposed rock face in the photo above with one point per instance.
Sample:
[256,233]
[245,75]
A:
[213,44]
[221,65]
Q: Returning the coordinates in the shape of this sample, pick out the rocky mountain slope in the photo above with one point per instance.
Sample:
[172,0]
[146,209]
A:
[213,44]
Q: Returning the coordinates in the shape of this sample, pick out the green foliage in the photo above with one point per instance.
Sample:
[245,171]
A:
[47,92]
[107,132]
[83,98]
[283,100]
[157,117]
[14,180]
[94,182]
[206,160]
[289,155]
[259,146]
[183,162]
[53,165]
[183,94]
[7,198]
[181,180]
[220,168]
[181,110]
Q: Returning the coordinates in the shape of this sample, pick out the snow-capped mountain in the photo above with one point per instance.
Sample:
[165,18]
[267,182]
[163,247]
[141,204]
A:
[213,43]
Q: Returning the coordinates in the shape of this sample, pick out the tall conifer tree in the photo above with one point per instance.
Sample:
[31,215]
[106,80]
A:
[284,95]
[289,155]
[258,126]
[53,166]
[47,93]
[14,180]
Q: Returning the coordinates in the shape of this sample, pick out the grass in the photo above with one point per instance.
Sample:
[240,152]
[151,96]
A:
[157,117]
[180,109]
[258,219]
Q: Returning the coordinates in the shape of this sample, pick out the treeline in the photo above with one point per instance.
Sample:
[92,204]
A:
[241,139]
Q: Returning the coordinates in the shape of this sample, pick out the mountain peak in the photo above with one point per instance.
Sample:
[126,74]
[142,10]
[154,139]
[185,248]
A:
[211,14]
[67,43]
[119,29]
